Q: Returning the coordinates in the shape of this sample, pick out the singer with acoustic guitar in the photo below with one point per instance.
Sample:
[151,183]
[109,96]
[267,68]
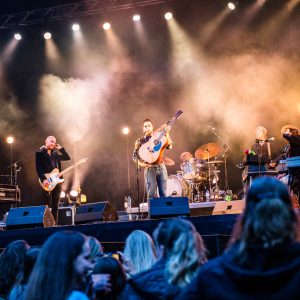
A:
[148,154]
[47,159]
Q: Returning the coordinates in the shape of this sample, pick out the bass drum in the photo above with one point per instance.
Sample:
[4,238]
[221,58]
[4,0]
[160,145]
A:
[176,186]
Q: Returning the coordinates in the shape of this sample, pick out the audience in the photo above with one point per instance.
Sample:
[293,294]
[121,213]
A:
[139,252]
[60,267]
[95,247]
[110,265]
[181,251]
[18,291]
[263,258]
[12,266]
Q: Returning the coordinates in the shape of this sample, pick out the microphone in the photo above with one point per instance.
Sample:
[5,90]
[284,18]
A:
[211,127]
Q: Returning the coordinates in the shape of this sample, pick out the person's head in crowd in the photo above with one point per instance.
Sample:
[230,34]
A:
[113,267]
[139,251]
[95,247]
[62,262]
[268,220]
[181,245]
[30,260]
[12,265]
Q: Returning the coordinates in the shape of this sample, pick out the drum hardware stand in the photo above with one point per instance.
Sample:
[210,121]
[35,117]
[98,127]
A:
[226,150]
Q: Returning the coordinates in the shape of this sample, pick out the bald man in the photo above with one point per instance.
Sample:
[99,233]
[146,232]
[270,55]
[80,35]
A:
[47,158]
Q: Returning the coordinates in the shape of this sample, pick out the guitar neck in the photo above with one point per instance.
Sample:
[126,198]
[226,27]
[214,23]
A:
[170,123]
[68,169]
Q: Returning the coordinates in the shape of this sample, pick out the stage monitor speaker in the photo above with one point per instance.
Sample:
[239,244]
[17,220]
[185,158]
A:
[28,217]
[231,207]
[168,207]
[99,211]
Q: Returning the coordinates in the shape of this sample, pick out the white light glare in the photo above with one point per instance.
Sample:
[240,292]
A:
[125,130]
[231,5]
[106,26]
[74,193]
[75,27]
[47,35]
[136,18]
[10,139]
[62,194]
[168,16]
[18,36]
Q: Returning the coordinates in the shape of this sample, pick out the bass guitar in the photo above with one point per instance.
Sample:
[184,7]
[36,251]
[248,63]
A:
[152,151]
[54,178]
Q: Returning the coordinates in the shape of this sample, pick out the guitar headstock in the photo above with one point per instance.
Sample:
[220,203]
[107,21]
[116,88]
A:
[178,114]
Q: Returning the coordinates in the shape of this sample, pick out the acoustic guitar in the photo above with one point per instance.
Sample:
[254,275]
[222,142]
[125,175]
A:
[54,178]
[152,151]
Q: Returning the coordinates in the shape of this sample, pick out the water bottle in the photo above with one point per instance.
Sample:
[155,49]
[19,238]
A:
[125,203]
[128,202]
[228,195]
[207,196]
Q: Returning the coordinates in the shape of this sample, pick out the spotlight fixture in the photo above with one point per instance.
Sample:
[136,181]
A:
[17,36]
[47,36]
[168,16]
[74,193]
[231,5]
[106,26]
[10,139]
[136,18]
[62,194]
[125,130]
[75,27]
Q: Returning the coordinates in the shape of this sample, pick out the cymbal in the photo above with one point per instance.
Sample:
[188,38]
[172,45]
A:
[168,161]
[207,151]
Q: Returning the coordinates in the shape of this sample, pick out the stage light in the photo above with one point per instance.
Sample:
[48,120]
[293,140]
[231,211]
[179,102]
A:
[17,36]
[106,26]
[83,198]
[136,18]
[231,5]
[10,139]
[62,194]
[125,130]
[168,16]
[47,35]
[74,193]
[75,27]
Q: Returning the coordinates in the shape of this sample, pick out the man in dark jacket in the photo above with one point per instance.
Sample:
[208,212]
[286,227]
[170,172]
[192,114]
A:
[47,158]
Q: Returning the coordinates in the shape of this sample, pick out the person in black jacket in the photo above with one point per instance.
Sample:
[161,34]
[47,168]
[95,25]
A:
[263,258]
[47,158]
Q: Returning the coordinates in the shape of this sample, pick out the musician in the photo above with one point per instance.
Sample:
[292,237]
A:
[156,174]
[292,134]
[260,160]
[47,158]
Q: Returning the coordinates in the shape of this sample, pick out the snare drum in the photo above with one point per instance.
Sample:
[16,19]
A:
[176,186]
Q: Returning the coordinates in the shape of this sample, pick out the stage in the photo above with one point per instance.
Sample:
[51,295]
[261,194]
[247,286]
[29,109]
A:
[215,230]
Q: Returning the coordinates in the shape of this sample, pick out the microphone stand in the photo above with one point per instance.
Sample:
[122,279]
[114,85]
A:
[226,150]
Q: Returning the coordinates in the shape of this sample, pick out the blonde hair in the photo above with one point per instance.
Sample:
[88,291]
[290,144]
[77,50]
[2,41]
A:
[183,248]
[140,251]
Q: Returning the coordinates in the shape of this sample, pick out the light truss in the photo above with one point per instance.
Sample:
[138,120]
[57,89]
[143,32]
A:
[61,12]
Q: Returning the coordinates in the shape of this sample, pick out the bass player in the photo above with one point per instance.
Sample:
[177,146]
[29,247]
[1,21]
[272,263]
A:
[47,158]
[155,173]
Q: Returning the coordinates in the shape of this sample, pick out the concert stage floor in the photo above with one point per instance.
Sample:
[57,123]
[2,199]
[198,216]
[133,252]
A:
[215,231]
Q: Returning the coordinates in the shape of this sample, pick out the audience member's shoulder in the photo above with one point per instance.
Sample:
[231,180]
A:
[77,295]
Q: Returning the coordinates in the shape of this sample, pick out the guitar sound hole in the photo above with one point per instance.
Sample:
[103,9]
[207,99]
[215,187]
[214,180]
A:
[156,142]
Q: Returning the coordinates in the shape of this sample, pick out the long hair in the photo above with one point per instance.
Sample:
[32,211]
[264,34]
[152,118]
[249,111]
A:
[110,265]
[140,251]
[268,219]
[12,265]
[183,249]
[53,275]
[95,247]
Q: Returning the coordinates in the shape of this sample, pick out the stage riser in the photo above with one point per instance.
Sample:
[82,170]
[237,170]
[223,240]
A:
[215,231]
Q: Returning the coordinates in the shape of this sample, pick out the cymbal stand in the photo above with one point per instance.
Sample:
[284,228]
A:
[209,174]
[226,150]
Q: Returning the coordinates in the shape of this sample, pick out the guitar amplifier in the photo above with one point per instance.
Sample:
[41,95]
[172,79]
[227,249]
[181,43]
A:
[10,194]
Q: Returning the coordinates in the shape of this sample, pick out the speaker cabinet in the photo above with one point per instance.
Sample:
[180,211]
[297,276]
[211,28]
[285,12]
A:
[231,207]
[99,211]
[28,217]
[168,207]
[66,215]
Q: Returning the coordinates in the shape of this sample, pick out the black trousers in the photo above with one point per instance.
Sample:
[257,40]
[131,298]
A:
[52,200]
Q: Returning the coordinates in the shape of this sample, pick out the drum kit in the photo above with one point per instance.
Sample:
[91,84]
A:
[198,178]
